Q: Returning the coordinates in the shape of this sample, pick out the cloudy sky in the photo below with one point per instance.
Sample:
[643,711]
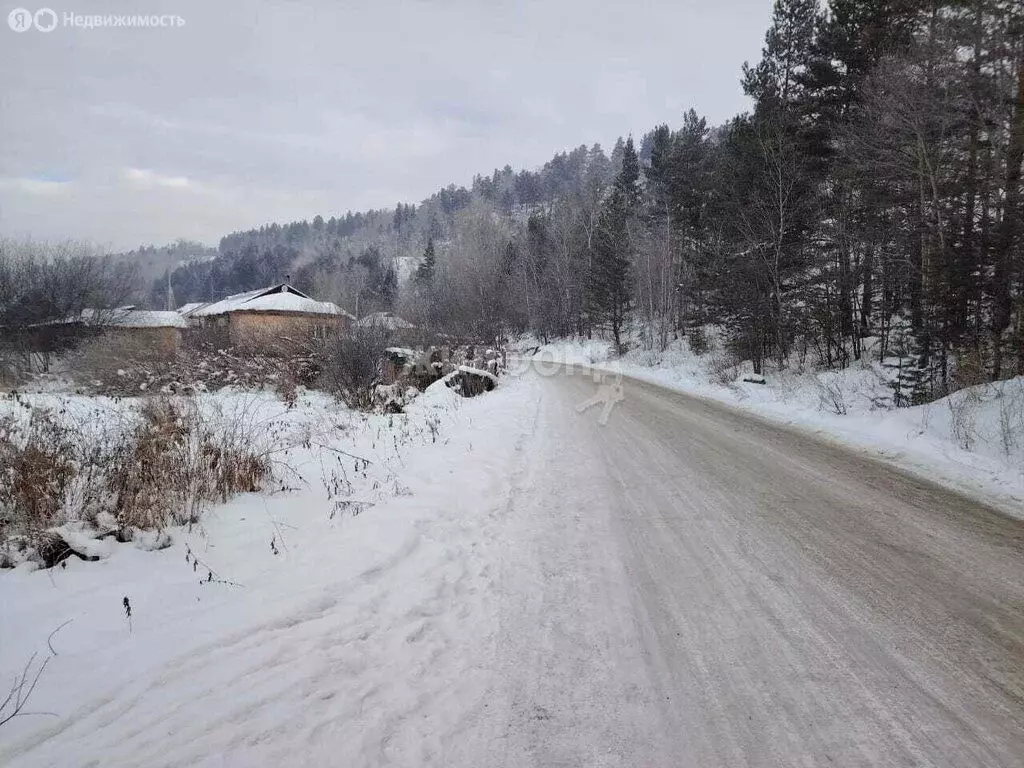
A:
[265,111]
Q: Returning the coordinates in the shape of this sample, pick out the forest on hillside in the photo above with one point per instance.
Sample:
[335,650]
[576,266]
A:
[874,191]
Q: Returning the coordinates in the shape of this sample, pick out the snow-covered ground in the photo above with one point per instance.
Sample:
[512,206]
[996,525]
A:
[357,638]
[971,441]
[511,582]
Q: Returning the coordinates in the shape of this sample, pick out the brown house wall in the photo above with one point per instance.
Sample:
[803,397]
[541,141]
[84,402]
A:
[164,341]
[249,329]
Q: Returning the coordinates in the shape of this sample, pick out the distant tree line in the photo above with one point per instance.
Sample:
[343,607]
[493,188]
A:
[46,287]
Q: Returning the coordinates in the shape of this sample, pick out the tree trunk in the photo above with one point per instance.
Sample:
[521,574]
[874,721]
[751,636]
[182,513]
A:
[867,299]
[1002,302]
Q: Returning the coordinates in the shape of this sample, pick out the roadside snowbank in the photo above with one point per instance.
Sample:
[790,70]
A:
[971,441]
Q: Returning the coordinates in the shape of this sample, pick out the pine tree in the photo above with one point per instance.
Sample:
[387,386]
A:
[425,271]
[607,292]
[389,288]
[786,53]
[851,40]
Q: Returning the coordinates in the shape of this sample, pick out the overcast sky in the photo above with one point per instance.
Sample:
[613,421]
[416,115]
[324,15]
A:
[262,112]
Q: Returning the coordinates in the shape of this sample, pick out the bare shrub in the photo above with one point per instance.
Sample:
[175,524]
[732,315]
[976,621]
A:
[1011,418]
[243,446]
[53,465]
[177,461]
[724,368]
[151,479]
[962,421]
[352,365]
[831,396]
[144,468]
[37,465]
[22,688]
[15,364]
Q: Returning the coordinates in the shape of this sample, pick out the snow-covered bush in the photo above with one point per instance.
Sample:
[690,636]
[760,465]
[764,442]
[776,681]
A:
[54,469]
[38,460]
[352,364]
[724,367]
[1011,417]
[962,418]
[831,395]
[157,463]
[176,461]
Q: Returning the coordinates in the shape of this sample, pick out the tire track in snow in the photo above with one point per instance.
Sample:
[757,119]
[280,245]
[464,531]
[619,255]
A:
[576,690]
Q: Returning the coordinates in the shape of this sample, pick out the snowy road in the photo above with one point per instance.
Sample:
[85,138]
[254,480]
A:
[706,589]
[683,586]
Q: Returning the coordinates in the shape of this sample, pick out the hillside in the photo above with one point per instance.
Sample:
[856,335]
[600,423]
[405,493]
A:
[154,263]
[360,257]
[874,191]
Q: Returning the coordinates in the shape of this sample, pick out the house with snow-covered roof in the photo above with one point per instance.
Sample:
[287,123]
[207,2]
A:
[158,332]
[279,312]
[155,330]
[184,309]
